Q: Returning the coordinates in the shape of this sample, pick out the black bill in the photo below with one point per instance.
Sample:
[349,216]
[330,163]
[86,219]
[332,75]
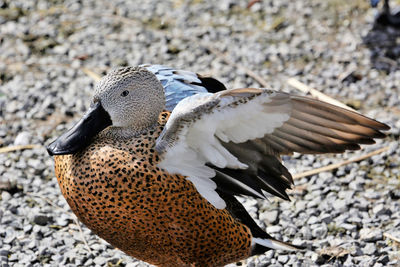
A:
[78,137]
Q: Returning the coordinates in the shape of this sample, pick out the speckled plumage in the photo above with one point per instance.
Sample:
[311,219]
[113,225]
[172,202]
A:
[115,188]
[161,186]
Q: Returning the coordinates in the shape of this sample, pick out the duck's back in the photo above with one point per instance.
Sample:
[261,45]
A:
[116,189]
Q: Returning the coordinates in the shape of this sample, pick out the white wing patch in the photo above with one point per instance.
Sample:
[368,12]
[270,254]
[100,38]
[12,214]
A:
[274,244]
[190,137]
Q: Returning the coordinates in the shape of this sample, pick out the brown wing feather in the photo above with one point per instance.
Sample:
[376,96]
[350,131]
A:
[313,127]
[318,127]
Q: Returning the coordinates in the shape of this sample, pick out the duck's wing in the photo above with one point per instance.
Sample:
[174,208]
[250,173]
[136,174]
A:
[374,3]
[179,84]
[232,139]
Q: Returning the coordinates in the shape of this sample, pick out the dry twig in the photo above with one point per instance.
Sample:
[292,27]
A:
[16,148]
[337,165]
[396,239]
[229,61]
[65,211]
[91,74]
[317,94]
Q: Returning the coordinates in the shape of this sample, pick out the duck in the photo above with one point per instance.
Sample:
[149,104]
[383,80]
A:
[386,17]
[155,165]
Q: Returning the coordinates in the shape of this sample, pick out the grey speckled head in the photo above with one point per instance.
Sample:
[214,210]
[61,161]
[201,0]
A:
[132,96]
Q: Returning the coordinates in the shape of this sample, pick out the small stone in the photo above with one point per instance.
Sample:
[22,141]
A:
[357,252]
[36,229]
[356,185]
[354,220]
[4,253]
[37,165]
[370,235]
[362,204]
[60,49]
[271,217]
[300,205]
[305,231]
[369,249]
[89,262]
[346,194]
[97,247]
[312,255]
[283,259]
[340,205]
[100,261]
[320,231]
[394,194]
[22,139]
[349,227]
[41,219]
[313,220]
[384,259]
[349,261]
[33,244]
[274,229]
[326,218]
[13,257]
[63,220]
[298,242]
[371,194]
[5,196]
[379,209]
[9,238]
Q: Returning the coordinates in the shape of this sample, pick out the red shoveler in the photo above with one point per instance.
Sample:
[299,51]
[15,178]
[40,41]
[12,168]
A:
[154,166]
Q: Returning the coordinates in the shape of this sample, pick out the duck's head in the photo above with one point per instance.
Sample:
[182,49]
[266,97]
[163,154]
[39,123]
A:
[129,98]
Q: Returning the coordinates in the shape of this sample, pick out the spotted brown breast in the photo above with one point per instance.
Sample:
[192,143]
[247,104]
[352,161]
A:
[116,189]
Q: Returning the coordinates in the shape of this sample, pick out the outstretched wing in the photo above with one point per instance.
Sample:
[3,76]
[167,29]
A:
[179,84]
[232,139]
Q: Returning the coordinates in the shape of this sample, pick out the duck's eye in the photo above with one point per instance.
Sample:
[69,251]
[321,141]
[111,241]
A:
[125,93]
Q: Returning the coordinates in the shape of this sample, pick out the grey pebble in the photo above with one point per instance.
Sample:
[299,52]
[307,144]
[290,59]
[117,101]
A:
[349,227]
[362,204]
[5,196]
[23,138]
[384,259]
[320,231]
[4,253]
[283,259]
[340,205]
[370,235]
[379,209]
[100,261]
[326,218]
[274,229]
[41,219]
[313,220]
[371,194]
[270,217]
[369,249]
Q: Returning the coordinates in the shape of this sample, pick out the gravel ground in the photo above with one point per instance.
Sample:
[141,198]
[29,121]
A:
[46,48]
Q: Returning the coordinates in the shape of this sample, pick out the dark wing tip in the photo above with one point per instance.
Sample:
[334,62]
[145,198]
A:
[211,84]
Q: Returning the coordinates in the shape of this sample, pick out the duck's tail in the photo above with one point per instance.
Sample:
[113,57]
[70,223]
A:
[261,241]
[260,245]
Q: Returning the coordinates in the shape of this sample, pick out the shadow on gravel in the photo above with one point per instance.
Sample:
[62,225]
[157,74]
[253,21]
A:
[10,187]
[383,42]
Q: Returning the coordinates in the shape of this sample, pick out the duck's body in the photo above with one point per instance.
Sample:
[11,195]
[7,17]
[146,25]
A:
[116,189]
[160,185]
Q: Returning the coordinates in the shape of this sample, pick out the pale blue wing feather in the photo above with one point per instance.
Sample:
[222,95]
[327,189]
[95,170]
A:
[178,84]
